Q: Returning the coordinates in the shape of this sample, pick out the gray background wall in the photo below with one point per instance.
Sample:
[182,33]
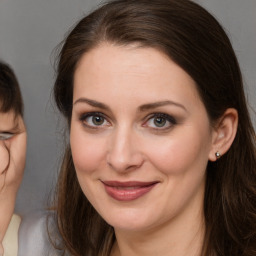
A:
[30,30]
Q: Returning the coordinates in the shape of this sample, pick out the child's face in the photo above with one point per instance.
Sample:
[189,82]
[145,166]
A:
[9,126]
[12,163]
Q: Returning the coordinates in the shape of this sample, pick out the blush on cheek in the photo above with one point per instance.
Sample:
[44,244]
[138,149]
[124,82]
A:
[167,157]
[178,157]
[86,158]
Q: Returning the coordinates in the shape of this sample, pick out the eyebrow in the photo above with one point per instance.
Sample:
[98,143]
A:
[142,108]
[150,106]
[92,103]
[11,130]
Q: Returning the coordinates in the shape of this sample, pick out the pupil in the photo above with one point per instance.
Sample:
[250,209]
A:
[159,121]
[98,120]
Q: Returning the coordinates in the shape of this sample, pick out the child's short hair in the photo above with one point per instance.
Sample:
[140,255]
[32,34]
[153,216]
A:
[10,95]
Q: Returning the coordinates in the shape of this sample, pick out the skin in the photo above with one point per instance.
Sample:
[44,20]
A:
[127,145]
[10,176]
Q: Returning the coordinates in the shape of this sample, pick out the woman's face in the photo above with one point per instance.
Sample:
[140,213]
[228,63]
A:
[140,137]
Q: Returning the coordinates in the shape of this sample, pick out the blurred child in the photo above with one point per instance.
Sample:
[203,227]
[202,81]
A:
[12,157]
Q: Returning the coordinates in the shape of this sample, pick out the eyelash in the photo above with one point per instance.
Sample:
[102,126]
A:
[167,118]
[83,118]
[6,135]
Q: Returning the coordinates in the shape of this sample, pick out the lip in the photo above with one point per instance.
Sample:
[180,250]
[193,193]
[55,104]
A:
[129,190]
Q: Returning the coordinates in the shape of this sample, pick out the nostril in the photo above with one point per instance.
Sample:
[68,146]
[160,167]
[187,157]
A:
[122,164]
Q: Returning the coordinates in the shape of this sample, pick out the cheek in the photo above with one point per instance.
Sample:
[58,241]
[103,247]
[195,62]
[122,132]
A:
[87,152]
[4,157]
[180,153]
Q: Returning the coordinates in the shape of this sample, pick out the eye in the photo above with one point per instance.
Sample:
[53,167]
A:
[160,121]
[6,135]
[94,120]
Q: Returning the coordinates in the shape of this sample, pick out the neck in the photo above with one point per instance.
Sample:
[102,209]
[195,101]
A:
[183,235]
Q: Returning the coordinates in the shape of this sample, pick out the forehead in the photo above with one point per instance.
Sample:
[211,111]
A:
[8,120]
[131,72]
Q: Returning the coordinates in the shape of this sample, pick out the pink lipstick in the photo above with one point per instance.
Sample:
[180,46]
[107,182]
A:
[127,191]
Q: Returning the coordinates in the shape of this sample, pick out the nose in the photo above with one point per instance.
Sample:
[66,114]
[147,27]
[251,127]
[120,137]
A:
[124,152]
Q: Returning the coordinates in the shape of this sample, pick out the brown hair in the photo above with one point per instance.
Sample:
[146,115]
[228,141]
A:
[10,98]
[10,95]
[194,40]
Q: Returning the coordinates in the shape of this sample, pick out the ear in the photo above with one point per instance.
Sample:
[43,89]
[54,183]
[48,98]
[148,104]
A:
[224,134]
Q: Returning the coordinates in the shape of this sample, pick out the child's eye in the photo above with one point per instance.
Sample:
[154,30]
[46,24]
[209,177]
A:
[94,120]
[6,135]
[160,121]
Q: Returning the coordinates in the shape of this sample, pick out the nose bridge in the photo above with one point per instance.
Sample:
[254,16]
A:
[124,153]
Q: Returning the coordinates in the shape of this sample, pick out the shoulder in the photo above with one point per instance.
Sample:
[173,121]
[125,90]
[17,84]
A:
[10,242]
[34,234]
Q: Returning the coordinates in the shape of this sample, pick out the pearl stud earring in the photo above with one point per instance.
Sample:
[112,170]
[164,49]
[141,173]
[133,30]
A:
[217,154]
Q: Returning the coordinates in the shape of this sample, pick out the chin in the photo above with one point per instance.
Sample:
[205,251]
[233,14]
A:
[130,221]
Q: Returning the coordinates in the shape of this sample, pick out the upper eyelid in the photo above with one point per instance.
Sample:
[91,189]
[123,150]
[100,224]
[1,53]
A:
[161,114]
[91,114]
[169,117]
[6,135]
[95,113]
[82,106]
